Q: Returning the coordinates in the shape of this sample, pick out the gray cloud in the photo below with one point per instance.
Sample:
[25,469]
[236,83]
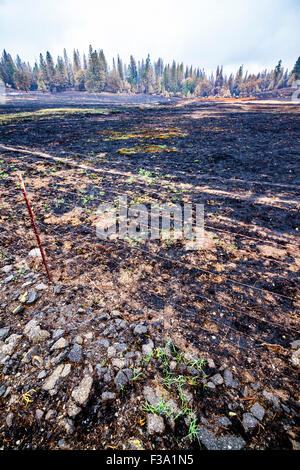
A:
[255,33]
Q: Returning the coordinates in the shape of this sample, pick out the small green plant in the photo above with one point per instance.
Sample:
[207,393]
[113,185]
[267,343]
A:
[163,408]
[147,359]
[136,375]
[197,363]
[86,199]
[193,433]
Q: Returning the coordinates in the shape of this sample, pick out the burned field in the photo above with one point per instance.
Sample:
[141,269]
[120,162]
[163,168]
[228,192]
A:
[224,318]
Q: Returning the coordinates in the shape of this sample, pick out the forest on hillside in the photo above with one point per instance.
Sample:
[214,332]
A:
[92,73]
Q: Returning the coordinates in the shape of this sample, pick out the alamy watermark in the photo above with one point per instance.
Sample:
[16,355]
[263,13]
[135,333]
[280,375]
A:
[169,222]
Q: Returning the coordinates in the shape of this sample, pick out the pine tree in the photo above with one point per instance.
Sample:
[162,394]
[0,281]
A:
[147,76]
[76,61]
[22,75]
[8,69]
[238,82]
[132,75]
[43,75]
[61,80]
[120,68]
[50,72]
[296,70]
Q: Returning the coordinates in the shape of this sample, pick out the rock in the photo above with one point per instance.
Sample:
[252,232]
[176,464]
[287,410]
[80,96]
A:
[108,397]
[231,443]
[150,395]
[211,363]
[207,438]
[116,313]
[111,352]
[147,348]
[31,297]
[39,414]
[81,393]
[38,336]
[34,350]
[258,411]
[35,253]
[295,344]
[9,419]
[155,424]
[102,343]
[57,334]
[37,361]
[63,445]
[78,339]
[255,386]
[224,421]
[227,442]
[119,363]
[120,324]
[229,380]
[30,326]
[61,343]
[211,385]
[217,379]
[120,347]
[57,289]
[107,378]
[7,268]
[4,332]
[110,331]
[62,370]
[140,329]
[271,398]
[42,375]
[121,379]
[249,422]
[101,371]
[50,414]
[41,286]
[72,409]
[88,336]
[296,358]
[59,358]
[76,354]
[10,344]
[67,425]
[8,279]
[81,311]
[66,370]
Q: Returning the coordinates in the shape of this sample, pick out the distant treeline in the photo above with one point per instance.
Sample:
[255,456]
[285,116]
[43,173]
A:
[91,73]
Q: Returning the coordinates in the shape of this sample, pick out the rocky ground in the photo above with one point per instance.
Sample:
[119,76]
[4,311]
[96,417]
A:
[146,345]
[78,375]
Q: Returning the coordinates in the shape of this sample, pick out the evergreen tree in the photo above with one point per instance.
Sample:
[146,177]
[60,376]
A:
[120,69]
[8,69]
[132,75]
[76,61]
[296,70]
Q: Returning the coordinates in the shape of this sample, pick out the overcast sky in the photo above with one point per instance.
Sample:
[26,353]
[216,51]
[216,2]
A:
[205,33]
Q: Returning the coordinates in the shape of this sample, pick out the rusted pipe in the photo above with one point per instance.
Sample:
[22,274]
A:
[22,185]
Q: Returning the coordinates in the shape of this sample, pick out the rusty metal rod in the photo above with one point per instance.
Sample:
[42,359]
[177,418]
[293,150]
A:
[34,225]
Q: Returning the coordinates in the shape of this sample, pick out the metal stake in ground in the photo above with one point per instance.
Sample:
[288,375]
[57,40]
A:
[34,225]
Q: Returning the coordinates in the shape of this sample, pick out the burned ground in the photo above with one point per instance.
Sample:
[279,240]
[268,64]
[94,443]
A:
[236,301]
